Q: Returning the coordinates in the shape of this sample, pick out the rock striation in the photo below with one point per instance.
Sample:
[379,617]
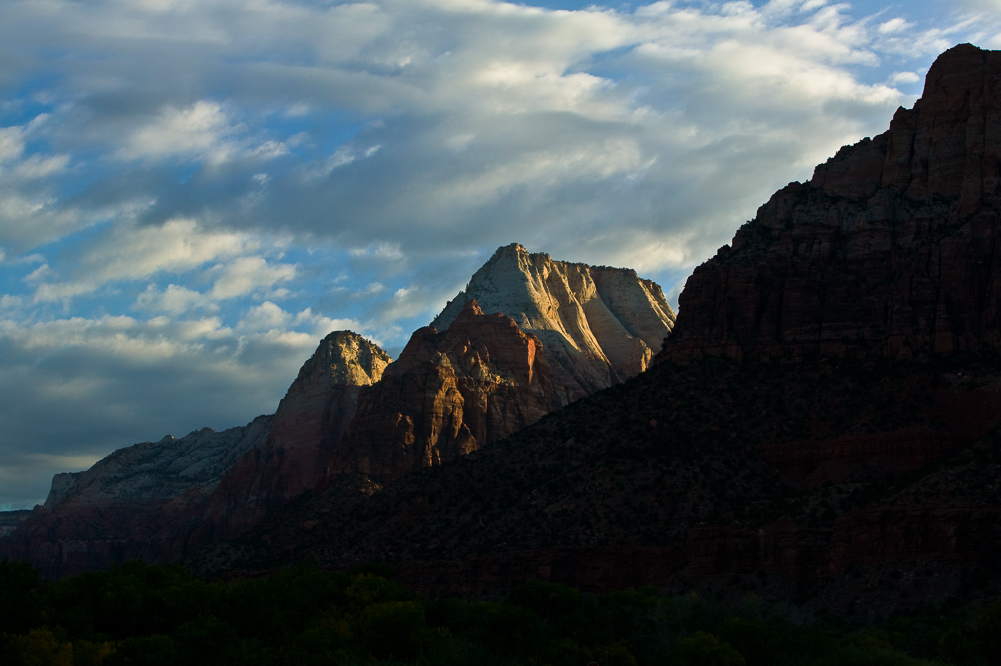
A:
[304,433]
[890,250]
[11,520]
[448,394]
[599,325]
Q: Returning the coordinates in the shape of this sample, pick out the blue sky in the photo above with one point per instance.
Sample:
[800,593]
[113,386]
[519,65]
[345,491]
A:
[194,192]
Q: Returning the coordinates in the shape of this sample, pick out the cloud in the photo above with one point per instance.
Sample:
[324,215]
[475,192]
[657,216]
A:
[249,274]
[894,25]
[174,300]
[129,251]
[197,131]
[116,380]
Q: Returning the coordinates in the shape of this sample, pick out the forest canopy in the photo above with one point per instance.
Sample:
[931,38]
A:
[161,614]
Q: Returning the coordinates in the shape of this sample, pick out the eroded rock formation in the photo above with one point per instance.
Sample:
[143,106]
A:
[599,325]
[141,502]
[448,394]
[889,250]
[305,431]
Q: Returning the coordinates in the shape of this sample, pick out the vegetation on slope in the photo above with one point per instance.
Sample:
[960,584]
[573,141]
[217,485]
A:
[139,614]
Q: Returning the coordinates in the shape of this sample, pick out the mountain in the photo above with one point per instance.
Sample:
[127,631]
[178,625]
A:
[350,411]
[140,502]
[599,325]
[889,250]
[823,424]
[449,394]
[305,431]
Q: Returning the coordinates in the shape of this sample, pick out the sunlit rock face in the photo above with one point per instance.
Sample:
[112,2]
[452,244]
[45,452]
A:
[140,502]
[598,325]
[448,394]
[305,432]
[890,250]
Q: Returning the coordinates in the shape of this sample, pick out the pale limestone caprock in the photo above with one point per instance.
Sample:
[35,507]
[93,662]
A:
[599,325]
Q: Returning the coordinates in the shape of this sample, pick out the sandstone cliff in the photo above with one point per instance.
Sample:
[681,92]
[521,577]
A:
[599,325]
[448,394]
[890,250]
[304,434]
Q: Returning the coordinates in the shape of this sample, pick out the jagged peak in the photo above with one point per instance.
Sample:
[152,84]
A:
[344,357]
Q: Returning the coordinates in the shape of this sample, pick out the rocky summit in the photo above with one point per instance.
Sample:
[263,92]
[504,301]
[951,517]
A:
[889,250]
[449,394]
[304,433]
[599,325]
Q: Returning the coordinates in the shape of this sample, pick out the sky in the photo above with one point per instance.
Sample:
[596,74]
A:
[194,192]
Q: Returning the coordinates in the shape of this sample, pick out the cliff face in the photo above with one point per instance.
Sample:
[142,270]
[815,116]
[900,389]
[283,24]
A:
[304,434]
[140,502]
[599,325]
[448,394]
[889,250]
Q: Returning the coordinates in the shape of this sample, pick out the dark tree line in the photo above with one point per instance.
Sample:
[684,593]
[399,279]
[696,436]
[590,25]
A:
[139,614]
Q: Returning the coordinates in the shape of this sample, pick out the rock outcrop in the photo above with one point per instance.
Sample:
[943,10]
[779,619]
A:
[141,502]
[448,394]
[599,325]
[890,250]
[305,432]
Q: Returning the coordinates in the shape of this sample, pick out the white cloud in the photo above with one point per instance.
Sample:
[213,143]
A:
[175,300]
[129,252]
[197,131]
[322,325]
[894,25]
[265,317]
[249,274]
[11,143]
[143,379]
[898,78]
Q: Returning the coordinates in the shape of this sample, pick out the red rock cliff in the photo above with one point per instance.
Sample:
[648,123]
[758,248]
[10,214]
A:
[304,434]
[890,250]
[448,394]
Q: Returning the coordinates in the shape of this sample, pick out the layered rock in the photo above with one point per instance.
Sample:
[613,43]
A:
[599,325]
[889,250]
[11,520]
[141,502]
[305,431]
[448,394]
